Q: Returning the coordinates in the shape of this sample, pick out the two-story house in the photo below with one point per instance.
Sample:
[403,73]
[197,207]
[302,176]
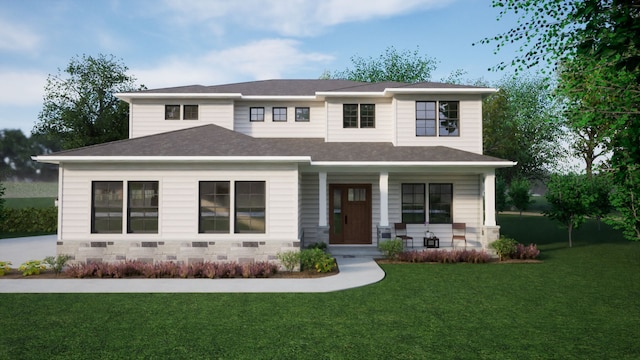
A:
[243,171]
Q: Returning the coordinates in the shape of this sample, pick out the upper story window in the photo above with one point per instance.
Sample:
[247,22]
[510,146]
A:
[302,114]
[191,112]
[447,117]
[172,112]
[279,114]
[366,112]
[256,114]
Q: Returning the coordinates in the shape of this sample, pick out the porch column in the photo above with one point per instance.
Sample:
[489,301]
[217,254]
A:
[322,199]
[384,198]
[490,198]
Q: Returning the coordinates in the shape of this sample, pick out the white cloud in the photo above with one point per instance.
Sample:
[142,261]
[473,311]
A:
[22,87]
[258,60]
[15,37]
[293,17]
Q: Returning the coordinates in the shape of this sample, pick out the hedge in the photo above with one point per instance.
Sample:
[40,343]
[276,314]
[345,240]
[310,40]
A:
[29,220]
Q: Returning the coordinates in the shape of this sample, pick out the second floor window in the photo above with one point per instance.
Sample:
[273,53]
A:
[437,118]
[279,114]
[172,112]
[363,116]
[256,114]
[191,112]
[302,114]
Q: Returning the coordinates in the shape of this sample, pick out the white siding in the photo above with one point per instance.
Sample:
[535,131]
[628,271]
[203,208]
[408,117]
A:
[383,132]
[467,204]
[314,128]
[148,116]
[178,199]
[470,138]
[309,207]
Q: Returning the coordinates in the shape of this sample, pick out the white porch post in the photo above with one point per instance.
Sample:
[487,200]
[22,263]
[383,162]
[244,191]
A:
[322,199]
[384,198]
[490,198]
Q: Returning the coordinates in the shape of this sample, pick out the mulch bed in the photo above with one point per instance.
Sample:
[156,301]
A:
[493,261]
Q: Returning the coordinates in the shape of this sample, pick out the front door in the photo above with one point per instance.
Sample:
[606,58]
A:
[350,220]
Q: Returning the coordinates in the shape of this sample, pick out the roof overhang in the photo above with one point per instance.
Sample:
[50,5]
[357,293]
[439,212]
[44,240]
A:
[440,91]
[159,96]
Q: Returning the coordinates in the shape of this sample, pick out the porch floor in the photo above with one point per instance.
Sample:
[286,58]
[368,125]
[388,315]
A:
[373,251]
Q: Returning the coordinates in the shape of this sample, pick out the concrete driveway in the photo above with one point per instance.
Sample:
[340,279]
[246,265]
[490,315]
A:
[19,250]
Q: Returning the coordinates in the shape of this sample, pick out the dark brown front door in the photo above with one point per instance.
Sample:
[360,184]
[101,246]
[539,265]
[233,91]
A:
[350,213]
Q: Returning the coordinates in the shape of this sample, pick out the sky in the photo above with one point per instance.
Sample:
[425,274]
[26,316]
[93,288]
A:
[168,43]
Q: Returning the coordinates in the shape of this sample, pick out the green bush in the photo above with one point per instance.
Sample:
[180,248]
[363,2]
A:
[505,247]
[57,263]
[316,259]
[5,267]
[32,267]
[29,220]
[289,259]
[318,245]
[391,248]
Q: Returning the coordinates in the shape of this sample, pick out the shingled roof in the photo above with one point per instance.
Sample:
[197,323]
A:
[215,141]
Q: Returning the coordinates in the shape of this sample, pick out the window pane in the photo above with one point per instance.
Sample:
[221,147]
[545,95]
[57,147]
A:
[449,118]
[279,114]
[143,207]
[425,118]
[367,116]
[256,114]
[106,212]
[172,112]
[191,112]
[214,207]
[302,114]
[250,207]
[440,203]
[413,203]
[350,116]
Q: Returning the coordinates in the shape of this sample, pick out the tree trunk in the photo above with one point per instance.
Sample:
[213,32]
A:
[570,231]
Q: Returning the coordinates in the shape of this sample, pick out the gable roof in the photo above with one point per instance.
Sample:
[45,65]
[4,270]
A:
[212,141]
[314,88]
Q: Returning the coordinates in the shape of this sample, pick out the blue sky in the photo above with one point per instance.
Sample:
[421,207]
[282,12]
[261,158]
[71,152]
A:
[180,42]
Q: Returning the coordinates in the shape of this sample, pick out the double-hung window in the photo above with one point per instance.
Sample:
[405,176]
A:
[437,118]
[358,115]
[350,115]
[215,206]
[279,114]
[106,207]
[256,114]
[413,202]
[143,207]
[250,206]
[191,112]
[302,114]
[440,203]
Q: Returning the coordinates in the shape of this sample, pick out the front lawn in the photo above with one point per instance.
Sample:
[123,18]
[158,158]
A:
[580,303]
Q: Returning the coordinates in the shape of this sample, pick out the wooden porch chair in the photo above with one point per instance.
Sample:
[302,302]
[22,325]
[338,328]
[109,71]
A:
[401,233]
[459,232]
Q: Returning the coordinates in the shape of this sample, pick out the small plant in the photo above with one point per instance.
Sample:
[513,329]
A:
[5,267]
[316,259]
[528,252]
[57,263]
[318,245]
[289,259]
[325,265]
[505,247]
[391,248]
[32,267]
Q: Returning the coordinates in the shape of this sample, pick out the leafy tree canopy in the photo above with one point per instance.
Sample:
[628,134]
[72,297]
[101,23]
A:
[80,108]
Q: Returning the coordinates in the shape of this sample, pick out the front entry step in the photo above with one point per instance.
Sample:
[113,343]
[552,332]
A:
[354,250]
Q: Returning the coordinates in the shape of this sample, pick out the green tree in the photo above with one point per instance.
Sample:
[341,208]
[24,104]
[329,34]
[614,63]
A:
[521,123]
[625,197]
[570,199]
[80,108]
[405,66]
[501,194]
[519,194]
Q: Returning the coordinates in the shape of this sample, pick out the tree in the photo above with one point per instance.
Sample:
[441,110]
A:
[521,123]
[79,106]
[406,66]
[17,149]
[519,194]
[625,197]
[570,201]
[600,39]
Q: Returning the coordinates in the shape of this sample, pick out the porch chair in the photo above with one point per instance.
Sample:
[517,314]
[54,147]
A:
[459,232]
[401,233]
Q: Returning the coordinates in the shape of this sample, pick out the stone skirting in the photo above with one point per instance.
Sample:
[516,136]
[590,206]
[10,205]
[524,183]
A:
[489,235]
[241,251]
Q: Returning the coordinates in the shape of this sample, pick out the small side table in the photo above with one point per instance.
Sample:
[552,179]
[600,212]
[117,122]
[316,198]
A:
[431,242]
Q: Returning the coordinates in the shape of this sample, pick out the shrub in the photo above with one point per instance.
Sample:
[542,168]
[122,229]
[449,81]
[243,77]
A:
[32,267]
[5,267]
[57,263]
[29,220]
[325,265]
[528,252]
[445,257]
[289,259]
[505,247]
[318,245]
[316,259]
[391,248]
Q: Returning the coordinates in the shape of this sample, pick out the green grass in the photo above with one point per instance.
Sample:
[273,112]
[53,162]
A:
[580,303]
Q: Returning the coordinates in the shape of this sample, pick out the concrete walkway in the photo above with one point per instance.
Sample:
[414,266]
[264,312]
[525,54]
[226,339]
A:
[354,272]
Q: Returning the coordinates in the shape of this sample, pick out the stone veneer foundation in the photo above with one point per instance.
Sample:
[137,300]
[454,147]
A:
[177,251]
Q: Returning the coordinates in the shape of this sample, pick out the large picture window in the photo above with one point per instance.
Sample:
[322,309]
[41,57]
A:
[440,203]
[106,207]
[447,117]
[143,207]
[413,202]
[250,207]
[214,206]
